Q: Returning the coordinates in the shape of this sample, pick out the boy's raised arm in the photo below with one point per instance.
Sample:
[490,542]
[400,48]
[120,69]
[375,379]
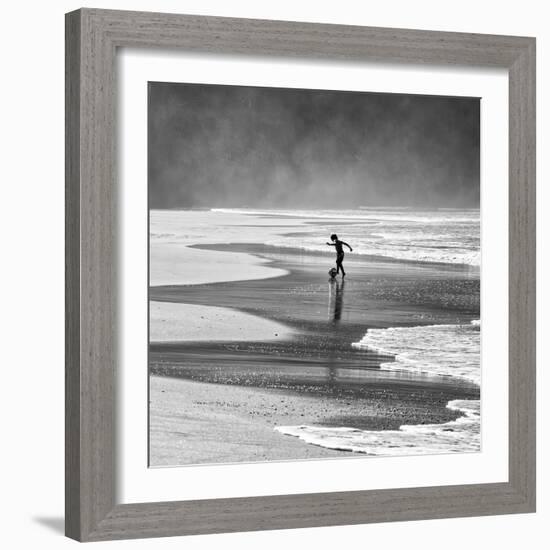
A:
[350,249]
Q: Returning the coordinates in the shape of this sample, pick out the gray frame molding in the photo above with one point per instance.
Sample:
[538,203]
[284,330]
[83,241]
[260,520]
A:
[92,38]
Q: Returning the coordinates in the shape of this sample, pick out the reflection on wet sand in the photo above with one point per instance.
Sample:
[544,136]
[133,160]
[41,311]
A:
[335,299]
[335,307]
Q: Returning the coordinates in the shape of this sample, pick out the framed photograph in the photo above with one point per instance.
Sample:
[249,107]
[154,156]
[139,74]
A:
[300,275]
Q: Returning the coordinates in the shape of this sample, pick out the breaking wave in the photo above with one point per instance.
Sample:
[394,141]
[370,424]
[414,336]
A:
[438,350]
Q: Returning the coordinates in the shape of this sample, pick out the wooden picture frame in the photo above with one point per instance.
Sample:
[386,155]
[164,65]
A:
[92,39]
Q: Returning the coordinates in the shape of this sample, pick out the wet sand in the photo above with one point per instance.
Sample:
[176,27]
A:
[198,423]
[313,376]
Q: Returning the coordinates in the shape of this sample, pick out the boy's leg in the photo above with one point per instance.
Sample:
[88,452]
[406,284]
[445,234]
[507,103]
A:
[339,260]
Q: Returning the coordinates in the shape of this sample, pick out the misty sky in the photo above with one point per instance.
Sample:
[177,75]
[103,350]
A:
[233,146]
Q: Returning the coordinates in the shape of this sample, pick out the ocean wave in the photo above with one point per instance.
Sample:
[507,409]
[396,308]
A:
[441,350]
[457,436]
[395,214]
[434,236]
[385,249]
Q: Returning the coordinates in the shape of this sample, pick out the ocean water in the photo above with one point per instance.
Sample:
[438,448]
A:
[441,236]
[440,350]
[458,436]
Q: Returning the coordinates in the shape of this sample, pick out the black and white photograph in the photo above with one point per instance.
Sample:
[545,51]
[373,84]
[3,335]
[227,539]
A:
[314,274]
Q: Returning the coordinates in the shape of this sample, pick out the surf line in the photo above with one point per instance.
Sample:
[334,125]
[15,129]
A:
[416,349]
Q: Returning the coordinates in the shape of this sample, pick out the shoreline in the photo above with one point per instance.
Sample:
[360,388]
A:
[394,293]
[471,268]
[315,370]
[204,423]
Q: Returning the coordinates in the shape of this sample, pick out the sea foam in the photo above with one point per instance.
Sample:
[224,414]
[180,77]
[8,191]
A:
[458,436]
[441,350]
[438,350]
[432,236]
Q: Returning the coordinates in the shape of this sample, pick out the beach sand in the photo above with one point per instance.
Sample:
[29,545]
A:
[177,322]
[197,423]
[213,401]
[177,264]
[200,423]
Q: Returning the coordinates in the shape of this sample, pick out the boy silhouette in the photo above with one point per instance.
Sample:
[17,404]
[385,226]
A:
[339,245]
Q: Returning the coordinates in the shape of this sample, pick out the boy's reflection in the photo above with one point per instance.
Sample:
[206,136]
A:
[336,300]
